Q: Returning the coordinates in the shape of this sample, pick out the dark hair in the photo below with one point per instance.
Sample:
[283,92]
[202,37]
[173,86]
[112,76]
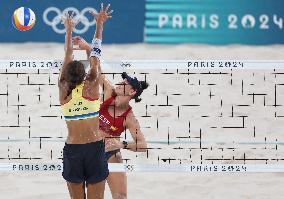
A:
[75,75]
[144,85]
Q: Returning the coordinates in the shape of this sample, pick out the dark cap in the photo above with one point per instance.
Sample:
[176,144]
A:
[136,85]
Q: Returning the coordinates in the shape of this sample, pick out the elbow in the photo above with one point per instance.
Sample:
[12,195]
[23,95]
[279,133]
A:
[95,64]
[69,52]
[95,68]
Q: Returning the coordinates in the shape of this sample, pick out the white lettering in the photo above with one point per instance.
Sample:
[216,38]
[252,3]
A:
[191,21]
[163,20]
[104,120]
[214,21]
[203,21]
[177,21]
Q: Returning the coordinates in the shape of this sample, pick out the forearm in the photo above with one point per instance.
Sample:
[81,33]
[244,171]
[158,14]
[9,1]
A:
[68,54]
[105,82]
[138,146]
[99,30]
[95,52]
[68,44]
[88,52]
[95,49]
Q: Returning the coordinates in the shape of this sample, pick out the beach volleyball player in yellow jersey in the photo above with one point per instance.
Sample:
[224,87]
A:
[84,162]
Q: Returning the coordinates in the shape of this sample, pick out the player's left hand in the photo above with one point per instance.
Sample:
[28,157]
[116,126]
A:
[103,15]
[81,43]
[69,22]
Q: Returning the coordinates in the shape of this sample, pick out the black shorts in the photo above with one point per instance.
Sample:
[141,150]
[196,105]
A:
[85,162]
[109,154]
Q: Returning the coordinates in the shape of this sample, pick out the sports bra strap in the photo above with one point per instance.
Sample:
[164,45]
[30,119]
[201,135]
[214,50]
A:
[126,112]
[78,91]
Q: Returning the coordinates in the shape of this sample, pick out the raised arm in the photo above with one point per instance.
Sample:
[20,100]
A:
[69,25]
[95,53]
[108,88]
[104,82]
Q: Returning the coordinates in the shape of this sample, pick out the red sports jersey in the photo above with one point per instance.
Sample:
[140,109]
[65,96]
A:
[111,125]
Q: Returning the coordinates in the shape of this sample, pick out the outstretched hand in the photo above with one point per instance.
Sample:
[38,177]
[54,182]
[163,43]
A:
[81,43]
[103,15]
[69,22]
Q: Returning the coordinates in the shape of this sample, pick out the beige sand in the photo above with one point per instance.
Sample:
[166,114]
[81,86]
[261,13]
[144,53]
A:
[46,185]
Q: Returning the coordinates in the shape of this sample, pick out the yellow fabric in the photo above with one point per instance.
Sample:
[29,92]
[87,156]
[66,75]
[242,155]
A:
[79,107]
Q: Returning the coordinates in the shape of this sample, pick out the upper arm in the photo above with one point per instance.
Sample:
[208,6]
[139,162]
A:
[134,128]
[107,86]
[94,70]
[67,59]
[68,54]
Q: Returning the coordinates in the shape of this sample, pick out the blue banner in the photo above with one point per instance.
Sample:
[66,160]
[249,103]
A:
[215,21]
[126,26]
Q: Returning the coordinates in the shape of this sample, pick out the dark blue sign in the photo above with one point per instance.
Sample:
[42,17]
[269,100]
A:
[215,21]
[126,26]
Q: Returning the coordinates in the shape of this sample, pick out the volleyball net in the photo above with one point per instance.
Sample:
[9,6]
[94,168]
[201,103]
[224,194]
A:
[196,115]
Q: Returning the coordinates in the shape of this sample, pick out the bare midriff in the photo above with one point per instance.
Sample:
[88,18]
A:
[83,131]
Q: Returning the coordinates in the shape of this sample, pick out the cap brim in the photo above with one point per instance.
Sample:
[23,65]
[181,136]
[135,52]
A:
[132,81]
[127,77]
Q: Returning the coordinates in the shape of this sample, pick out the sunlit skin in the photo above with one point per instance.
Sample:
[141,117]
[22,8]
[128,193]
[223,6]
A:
[124,93]
[87,130]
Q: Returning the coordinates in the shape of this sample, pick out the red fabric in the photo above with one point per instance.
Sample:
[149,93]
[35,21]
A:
[90,99]
[111,125]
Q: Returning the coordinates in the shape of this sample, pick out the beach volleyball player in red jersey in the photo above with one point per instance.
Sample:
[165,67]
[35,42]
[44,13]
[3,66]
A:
[116,116]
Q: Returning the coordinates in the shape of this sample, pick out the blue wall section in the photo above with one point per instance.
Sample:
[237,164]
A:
[126,26]
[254,22]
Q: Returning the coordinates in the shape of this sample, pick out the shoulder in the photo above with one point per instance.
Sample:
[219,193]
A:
[131,119]
[62,84]
[130,114]
[91,80]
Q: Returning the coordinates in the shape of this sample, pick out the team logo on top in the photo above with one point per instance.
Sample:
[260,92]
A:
[113,128]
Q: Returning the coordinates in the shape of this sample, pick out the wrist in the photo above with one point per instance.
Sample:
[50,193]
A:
[68,31]
[99,22]
[88,50]
[99,27]
[96,48]
[125,144]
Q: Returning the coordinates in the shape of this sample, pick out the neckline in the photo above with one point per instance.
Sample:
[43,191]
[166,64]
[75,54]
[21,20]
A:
[120,116]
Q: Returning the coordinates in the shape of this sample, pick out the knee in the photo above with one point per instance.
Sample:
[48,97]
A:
[120,195]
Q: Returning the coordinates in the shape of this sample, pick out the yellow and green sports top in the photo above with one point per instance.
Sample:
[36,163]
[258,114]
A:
[79,107]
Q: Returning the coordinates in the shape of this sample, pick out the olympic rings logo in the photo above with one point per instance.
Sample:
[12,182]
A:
[125,64]
[78,16]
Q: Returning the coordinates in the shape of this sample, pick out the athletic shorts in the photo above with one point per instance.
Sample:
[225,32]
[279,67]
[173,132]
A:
[85,162]
[109,154]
